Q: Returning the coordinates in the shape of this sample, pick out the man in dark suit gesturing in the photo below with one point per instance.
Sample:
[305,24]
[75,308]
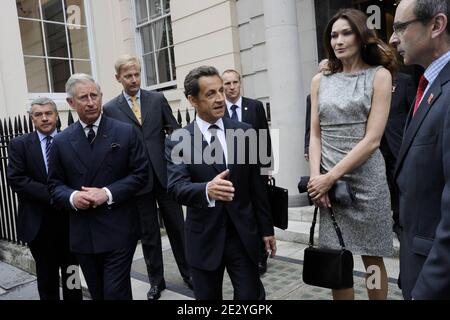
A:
[422,37]
[226,198]
[250,111]
[40,224]
[150,114]
[97,165]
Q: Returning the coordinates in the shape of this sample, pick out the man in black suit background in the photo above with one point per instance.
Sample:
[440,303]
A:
[250,111]
[403,93]
[422,36]
[40,224]
[97,165]
[150,114]
[226,198]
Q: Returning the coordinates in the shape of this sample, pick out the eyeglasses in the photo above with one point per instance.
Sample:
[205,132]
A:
[400,27]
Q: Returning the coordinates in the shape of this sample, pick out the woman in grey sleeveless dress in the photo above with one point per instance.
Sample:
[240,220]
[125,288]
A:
[350,106]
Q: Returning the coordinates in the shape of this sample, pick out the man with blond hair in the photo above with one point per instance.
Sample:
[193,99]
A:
[151,116]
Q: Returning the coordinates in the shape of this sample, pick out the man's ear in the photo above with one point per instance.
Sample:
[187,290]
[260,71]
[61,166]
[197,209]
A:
[439,25]
[192,100]
[118,77]
[70,102]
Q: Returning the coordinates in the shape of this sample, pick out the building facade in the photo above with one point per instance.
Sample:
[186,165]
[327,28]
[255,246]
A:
[275,44]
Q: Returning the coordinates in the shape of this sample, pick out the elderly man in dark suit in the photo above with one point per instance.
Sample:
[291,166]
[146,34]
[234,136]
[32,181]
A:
[150,114]
[227,215]
[40,224]
[97,165]
[402,98]
[250,111]
[422,37]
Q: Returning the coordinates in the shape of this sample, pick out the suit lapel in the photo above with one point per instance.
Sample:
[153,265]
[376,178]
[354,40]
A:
[36,152]
[80,144]
[245,113]
[100,148]
[125,108]
[414,123]
[145,106]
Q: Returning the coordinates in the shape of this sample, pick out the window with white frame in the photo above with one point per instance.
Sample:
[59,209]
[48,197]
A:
[55,43]
[154,26]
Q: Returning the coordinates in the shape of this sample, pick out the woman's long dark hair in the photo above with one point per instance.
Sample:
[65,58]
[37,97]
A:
[374,51]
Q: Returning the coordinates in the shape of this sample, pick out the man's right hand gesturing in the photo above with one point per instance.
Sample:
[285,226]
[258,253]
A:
[220,188]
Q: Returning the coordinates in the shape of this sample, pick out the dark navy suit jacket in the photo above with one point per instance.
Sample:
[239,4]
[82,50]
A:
[157,118]
[205,227]
[27,177]
[423,179]
[116,161]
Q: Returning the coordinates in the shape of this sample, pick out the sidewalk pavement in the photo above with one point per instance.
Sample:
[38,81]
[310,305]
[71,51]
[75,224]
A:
[282,280]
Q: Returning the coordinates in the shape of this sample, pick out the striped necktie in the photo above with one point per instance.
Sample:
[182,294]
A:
[136,109]
[48,146]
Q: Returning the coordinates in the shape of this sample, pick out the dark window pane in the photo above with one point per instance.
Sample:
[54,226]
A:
[56,40]
[155,9]
[166,6]
[36,71]
[59,74]
[169,27]
[147,39]
[141,11]
[52,10]
[81,67]
[150,71]
[174,74]
[163,66]
[78,43]
[160,31]
[31,34]
[28,9]
[75,12]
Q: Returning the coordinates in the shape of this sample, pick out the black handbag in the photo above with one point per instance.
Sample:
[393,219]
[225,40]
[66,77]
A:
[327,268]
[278,199]
[340,193]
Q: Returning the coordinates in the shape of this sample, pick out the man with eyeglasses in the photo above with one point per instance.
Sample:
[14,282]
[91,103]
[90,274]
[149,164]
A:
[422,37]
[40,224]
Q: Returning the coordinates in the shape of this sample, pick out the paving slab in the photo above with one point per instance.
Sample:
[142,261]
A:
[13,277]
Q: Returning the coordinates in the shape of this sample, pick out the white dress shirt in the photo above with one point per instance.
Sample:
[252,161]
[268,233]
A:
[238,109]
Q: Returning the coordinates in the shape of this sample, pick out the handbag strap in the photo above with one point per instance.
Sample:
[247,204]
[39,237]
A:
[336,228]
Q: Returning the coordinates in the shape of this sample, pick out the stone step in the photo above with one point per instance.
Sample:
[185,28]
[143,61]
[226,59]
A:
[299,226]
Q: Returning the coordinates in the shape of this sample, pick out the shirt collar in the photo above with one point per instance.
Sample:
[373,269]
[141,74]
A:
[433,70]
[43,136]
[204,125]
[238,103]
[128,97]
[95,124]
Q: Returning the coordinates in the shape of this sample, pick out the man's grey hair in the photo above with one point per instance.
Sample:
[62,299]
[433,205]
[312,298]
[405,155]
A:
[77,78]
[191,86]
[42,102]
[425,10]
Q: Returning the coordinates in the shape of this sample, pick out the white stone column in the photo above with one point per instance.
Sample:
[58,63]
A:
[286,90]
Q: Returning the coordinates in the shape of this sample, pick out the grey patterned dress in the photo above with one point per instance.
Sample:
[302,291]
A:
[343,105]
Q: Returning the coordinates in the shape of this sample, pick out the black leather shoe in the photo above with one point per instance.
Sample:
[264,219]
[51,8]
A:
[155,292]
[262,267]
[189,282]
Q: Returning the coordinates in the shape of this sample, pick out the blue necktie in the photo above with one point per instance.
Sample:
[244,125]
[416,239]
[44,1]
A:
[48,146]
[234,115]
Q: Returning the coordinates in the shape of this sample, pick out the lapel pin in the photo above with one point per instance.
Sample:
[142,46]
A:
[393,88]
[430,98]
[245,108]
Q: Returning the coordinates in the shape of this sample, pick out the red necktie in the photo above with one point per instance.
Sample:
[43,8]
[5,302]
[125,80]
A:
[423,83]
